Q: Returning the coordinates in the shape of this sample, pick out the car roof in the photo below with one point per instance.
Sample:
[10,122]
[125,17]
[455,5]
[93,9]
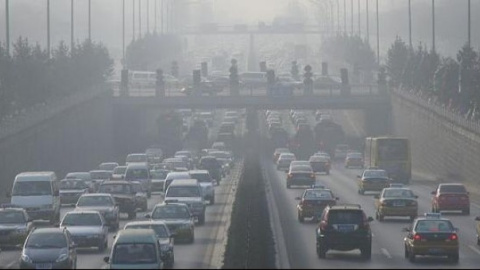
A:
[103,171]
[96,194]
[48,230]
[346,207]
[146,222]
[82,212]
[184,182]
[137,166]
[198,172]
[115,182]
[12,209]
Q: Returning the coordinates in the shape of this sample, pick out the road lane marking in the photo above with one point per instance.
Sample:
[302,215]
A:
[474,249]
[386,253]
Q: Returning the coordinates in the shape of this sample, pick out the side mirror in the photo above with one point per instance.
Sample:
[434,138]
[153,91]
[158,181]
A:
[106,259]
[433,192]
[298,198]
[477,218]
[148,216]
[376,196]
[406,230]
[370,219]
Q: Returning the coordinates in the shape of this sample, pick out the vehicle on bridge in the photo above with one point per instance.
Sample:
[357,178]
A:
[391,154]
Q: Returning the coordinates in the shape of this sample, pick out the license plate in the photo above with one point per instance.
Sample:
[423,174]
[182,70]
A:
[399,204]
[43,266]
[434,250]
[345,228]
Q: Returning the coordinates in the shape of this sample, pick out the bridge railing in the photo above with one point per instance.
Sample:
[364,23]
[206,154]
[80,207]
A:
[11,125]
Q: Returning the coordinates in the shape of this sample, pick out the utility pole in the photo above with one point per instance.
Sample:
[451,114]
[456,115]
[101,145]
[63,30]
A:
[90,20]
[155,19]
[351,17]
[72,37]
[410,23]
[148,16]
[133,13]
[368,23]
[139,19]
[469,24]
[433,25]
[48,29]
[345,16]
[359,21]
[378,37]
[338,17]
[7,25]
[123,33]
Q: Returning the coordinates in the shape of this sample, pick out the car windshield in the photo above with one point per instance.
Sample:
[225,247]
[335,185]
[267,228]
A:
[135,253]
[115,188]
[375,174]
[345,217]
[136,158]
[81,219]
[161,174]
[120,170]
[183,192]
[160,230]
[101,175]
[318,194]
[141,173]
[7,217]
[452,189]
[403,193]
[95,201]
[46,240]
[434,226]
[32,188]
[171,212]
[72,184]
[301,168]
[202,177]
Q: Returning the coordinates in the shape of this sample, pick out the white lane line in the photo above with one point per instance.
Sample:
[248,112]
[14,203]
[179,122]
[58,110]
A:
[10,265]
[386,253]
[474,249]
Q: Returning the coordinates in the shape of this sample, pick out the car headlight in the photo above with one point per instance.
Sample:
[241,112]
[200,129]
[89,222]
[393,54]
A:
[25,258]
[62,257]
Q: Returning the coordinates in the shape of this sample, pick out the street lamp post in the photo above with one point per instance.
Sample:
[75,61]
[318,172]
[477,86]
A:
[48,28]
[90,20]
[155,18]
[133,20]
[139,19]
[359,21]
[123,33]
[148,16]
[72,34]
[7,25]
[469,24]
[410,23]
[351,16]
[345,16]
[338,17]
[433,25]
[368,23]
[378,36]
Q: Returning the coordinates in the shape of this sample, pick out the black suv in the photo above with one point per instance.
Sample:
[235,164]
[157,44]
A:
[124,194]
[344,227]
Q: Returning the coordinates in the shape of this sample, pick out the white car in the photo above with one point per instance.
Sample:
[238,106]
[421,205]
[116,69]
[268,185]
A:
[206,182]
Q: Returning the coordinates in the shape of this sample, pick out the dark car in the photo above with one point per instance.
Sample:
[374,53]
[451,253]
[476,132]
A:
[344,227]
[103,203]
[320,164]
[124,195]
[212,165]
[313,201]
[49,248]
[300,175]
[451,197]
[15,225]
[373,180]
[71,190]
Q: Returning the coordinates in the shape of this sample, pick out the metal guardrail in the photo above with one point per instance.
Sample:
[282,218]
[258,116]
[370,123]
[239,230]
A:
[441,111]
[11,125]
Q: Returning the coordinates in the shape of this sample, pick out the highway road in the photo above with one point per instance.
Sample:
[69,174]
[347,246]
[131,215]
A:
[199,255]
[298,239]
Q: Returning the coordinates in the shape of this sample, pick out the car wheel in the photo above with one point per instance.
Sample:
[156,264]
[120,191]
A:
[381,217]
[321,251]
[201,219]
[366,252]
[300,217]
[454,257]
[411,256]
[406,252]
[191,240]
[478,241]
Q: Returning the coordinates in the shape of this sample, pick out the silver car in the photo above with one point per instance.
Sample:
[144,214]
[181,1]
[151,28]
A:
[87,228]
[71,190]
[103,203]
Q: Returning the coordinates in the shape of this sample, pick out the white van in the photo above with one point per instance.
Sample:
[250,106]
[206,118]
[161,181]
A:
[38,194]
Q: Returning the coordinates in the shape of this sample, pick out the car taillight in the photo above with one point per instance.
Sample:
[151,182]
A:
[417,237]
[453,237]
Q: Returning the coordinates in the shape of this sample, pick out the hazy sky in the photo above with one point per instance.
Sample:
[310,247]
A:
[28,18]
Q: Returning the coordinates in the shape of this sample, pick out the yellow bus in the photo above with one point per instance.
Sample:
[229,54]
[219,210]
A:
[391,154]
